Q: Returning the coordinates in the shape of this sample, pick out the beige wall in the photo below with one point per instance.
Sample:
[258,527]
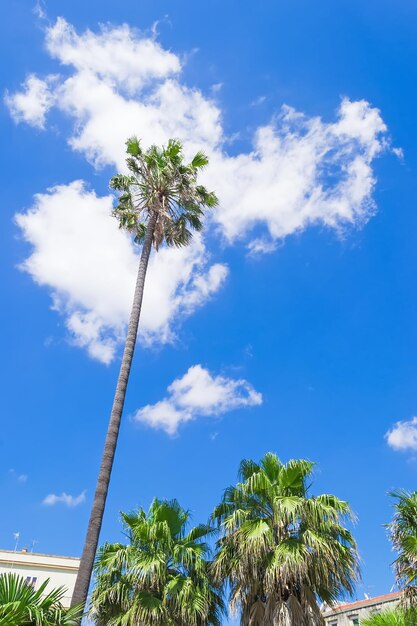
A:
[61,570]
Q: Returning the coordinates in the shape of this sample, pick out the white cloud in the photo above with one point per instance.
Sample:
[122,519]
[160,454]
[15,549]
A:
[403,435]
[64,498]
[216,88]
[302,171]
[33,103]
[121,82]
[21,478]
[90,266]
[39,9]
[261,245]
[117,82]
[258,101]
[120,56]
[197,393]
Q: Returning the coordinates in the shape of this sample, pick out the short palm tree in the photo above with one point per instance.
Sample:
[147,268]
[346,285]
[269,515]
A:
[280,549]
[21,605]
[403,532]
[159,202]
[391,617]
[161,577]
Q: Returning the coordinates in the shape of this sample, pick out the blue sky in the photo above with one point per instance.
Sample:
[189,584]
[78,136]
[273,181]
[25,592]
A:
[296,311]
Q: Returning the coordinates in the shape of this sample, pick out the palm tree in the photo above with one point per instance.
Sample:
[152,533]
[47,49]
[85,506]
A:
[161,577]
[391,617]
[22,605]
[280,549]
[403,533]
[160,201]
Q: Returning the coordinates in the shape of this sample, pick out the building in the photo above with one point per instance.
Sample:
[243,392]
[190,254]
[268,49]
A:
[36,568]
[352,613]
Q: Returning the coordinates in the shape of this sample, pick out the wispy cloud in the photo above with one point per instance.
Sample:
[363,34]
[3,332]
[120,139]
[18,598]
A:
[198,393]
[403,435]
[64,498]
[216,87]
[258,101]
[260,246]
[21,478]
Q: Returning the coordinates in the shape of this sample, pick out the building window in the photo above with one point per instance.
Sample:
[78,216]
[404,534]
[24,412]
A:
[354,620]
[31,581]
[333,623]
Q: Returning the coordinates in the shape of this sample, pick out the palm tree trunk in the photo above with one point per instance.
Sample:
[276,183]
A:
[96,517]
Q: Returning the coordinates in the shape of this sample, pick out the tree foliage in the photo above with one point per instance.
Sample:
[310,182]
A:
[160,183]
[403,533]
[279,548]
[21,605]
[161,576]
[391,617]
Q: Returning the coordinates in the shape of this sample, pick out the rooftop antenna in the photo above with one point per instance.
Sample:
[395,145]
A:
[16,539]
[34,541]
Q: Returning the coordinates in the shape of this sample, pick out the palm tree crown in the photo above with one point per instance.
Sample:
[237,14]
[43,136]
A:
[161,577]
[280,549]
[161,184]
[21,605]
[403,532]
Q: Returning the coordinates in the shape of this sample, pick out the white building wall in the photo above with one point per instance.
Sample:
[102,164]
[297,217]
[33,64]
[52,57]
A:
[61,570]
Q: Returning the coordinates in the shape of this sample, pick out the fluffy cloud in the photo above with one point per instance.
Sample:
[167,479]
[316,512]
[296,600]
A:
[403,435]
[302,171]
[116,82]
[123,83]
[197,393]
[119,56]
[64,498]
[32,103]
[90,266]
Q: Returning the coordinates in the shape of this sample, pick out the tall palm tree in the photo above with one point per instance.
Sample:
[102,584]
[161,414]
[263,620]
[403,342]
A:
[160,201]
[403,533]
[280,549]
[21,605]
[161,577]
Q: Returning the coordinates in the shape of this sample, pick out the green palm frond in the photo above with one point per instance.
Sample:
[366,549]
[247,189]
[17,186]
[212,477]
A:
[21,605]
[133,147]
[199,160]
[247,468]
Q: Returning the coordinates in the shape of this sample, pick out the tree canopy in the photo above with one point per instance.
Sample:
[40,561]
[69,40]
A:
[403,533]
[162,185]
[162,576]
[280,548]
